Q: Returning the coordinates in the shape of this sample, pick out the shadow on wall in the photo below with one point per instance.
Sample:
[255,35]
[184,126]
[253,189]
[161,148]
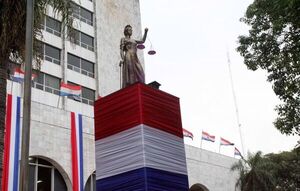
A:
[198,187]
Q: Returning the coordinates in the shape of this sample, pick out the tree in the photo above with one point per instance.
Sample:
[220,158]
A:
[273,44]
[12,38]
[256,173]
[287,173]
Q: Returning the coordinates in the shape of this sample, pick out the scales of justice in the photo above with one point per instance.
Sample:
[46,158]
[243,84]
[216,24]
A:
[138,131]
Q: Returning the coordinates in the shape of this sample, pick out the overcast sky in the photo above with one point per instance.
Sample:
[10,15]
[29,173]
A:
[191,38]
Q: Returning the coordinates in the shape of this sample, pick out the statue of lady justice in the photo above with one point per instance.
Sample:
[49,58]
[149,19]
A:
[132,70]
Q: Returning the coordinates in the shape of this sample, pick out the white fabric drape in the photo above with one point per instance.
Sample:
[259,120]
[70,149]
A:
[138,147]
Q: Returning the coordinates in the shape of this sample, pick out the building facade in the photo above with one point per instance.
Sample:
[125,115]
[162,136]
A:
[93,63]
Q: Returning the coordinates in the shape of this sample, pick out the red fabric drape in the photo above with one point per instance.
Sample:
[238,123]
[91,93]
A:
[134,105]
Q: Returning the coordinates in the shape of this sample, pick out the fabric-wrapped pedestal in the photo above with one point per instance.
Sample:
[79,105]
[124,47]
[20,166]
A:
[139,141]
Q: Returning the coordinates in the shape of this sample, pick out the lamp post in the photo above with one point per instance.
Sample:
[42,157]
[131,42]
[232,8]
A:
[24,166]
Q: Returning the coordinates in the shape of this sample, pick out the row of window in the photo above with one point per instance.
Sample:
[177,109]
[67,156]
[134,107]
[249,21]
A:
[51,84]
[75,63]
[82,14]
[53,26]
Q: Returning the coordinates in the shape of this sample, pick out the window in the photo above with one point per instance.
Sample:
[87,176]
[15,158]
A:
[47,83]
[82,14]
[80,65]
[44,176]
[87,95]
[84,40]
[52,26]
[51,53]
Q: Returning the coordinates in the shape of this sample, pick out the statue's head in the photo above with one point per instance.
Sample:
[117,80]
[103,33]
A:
[128,30]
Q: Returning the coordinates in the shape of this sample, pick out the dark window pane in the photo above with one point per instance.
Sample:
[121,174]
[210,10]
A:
[87,15]
[53,24]
[44,162]
[88,93]
[31,177]
[87,40]
[40,78]
[59,183]
[74,60]
[52,52]
[88,66]
[44,179]
[77,37]
[52,82]
[75,10]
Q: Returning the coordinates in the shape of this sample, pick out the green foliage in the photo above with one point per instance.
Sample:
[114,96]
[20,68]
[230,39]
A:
[273,44]
[13,25]
[256,173]
[270,172]
[288,169]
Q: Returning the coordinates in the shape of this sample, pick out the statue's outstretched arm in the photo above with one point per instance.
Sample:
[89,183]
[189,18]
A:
[144,37]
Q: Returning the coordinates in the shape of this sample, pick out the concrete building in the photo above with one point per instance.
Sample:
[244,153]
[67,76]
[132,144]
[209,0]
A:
[93,63]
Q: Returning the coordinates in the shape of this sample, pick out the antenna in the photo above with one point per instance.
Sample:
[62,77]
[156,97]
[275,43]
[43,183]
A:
[235,103]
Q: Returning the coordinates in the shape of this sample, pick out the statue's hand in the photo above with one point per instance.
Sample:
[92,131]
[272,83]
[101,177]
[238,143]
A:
[146,29]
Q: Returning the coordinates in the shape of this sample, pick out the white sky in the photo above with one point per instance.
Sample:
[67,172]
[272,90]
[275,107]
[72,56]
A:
[191,38]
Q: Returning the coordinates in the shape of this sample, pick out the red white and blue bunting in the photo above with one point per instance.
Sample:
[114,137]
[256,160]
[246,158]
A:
[77,151]
[10,172]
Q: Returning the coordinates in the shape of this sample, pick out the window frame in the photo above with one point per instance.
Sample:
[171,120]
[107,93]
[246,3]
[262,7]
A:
[48,57]
[43,86]
[48,28]
[82,44]
[80,17]
[80,68]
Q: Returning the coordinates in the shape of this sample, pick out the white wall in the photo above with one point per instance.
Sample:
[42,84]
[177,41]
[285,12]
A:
[210,169]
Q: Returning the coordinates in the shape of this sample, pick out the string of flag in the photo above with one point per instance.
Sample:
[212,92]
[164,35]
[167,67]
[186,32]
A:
[212,138]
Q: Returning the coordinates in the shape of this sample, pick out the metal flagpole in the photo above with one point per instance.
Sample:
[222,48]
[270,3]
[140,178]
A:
[201,140]
[24,166]
[235,104]
[58,101]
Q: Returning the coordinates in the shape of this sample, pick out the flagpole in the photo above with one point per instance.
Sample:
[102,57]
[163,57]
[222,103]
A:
[24,165]
[201,140]
[11,88]
[58,101]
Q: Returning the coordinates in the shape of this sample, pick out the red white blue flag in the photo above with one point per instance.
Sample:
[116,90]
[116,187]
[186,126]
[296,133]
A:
[188,134]
[69,90]
[19,75]
[225,142]
[208,137]
[237,152]
[10,173]
[77,151]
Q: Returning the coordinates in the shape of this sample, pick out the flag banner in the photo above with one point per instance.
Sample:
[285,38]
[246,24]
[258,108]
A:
[77,151]
[237,152]
[10,173]
[225,142]
[69,90]
[188,134]
[208,137]
[19,76]
[138,147]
